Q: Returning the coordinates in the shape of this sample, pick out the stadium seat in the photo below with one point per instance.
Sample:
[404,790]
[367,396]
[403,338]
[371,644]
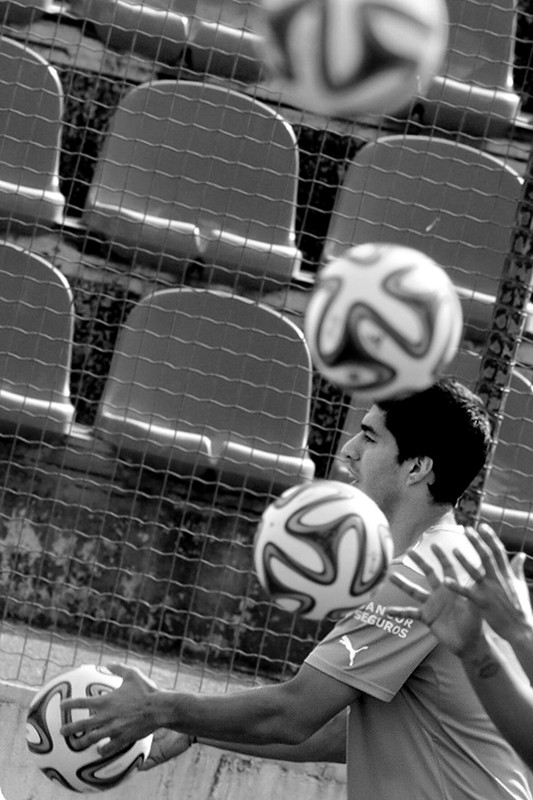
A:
[453,202]
[151,31]
[36,323]
[195,172]
[474,92]
[507,502]
[22,12]
[31,101]
[224,51]
[205,382]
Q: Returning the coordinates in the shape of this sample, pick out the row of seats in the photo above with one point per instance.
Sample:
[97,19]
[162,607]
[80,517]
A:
[195,172]
[168,187]
[201,382]
[189,171]
[207,383]
[473,92]
[174,37]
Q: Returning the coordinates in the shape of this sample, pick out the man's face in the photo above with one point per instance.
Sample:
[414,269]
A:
[372,458]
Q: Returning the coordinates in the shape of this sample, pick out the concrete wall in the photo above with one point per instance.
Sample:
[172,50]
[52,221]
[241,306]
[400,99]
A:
[202,773]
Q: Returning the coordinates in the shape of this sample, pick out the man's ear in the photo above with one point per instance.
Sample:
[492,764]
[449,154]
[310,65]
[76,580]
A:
[421,469]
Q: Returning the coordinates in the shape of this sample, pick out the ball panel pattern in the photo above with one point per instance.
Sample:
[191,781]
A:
[321,548]
[104,773]
[347,57]
[383,320]
[41,740]
[54,775]
[65,760]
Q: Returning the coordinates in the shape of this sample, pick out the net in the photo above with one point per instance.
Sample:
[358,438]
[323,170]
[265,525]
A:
[164,215]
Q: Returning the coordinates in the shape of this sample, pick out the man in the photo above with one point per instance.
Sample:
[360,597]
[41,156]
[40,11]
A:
[415,728]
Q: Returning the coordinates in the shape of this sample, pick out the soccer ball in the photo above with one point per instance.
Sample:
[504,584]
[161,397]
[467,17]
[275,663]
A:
[60,758]
[322,548]
[383,321]
[347,57]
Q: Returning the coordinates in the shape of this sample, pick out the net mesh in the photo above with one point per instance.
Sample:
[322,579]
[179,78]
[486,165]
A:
[163,218]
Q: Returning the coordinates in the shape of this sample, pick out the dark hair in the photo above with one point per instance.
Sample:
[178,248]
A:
[448,423]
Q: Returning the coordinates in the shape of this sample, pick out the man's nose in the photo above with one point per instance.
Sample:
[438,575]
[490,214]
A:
[350,450]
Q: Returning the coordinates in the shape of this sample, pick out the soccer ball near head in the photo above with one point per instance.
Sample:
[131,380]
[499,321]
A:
[349,57]
[322,548]
[383,321]
[62,759]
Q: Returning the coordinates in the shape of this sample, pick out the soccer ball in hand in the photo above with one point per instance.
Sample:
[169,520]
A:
[383,321]
[347,57]
[322,548]
[81,769]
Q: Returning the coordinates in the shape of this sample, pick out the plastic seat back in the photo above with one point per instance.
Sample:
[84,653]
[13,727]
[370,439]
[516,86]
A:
[507,499]
[192,170]
[451,201]
[31,105]
[510,479]
[37,324]
[22,12]
[474,92]
[201,372]
[481,42]
[224,51]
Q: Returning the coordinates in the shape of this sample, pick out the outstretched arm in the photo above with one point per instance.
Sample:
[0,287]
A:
[457,622]
[327,745]
[284,714]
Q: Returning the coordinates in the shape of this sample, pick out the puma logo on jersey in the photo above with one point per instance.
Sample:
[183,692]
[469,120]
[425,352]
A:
[351,650]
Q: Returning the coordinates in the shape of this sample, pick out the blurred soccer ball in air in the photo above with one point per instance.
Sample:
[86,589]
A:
[383,321]
[348,57]
[63,759]
[322,548]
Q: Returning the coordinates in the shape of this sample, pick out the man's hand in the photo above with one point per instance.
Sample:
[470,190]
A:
[122,715]
[452,619]
[500,592]
[166,745]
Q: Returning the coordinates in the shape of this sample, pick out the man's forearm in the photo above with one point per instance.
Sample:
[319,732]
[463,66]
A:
[254,717]
[506,696]
[326,745]
[521,640]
